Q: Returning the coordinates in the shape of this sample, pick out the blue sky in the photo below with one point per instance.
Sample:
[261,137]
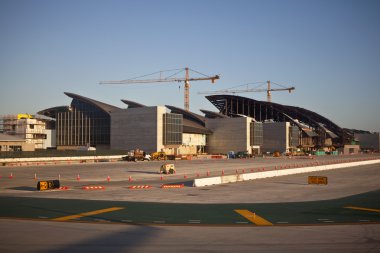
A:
[329,50]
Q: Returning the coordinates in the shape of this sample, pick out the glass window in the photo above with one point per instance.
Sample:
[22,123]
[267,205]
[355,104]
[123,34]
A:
[173,128]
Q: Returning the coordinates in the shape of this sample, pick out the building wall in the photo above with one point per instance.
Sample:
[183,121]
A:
[276,136]
[50,140]
[9,146]
[137,128]
[25,126]
[369,141]
[229,134]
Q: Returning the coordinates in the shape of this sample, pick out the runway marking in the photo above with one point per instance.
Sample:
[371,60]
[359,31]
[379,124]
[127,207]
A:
[362,209]
[253,217]
[78,216]
[194,221]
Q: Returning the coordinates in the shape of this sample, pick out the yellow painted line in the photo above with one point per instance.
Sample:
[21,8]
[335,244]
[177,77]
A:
[363,209]
[254,218]
[77,216]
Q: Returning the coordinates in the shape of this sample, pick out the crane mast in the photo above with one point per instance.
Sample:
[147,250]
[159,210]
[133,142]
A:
[186,80]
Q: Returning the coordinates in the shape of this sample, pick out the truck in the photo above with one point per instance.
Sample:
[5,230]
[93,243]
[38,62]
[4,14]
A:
[136,155]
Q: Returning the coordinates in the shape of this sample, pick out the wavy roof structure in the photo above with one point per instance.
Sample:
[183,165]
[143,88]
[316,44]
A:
[231,106]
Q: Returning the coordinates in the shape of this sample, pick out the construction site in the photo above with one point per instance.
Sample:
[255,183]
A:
[239,124]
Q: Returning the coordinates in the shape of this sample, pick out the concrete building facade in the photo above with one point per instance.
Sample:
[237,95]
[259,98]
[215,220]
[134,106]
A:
[368,141]
[276,137]
[138,128]
[229,134]
[11,143]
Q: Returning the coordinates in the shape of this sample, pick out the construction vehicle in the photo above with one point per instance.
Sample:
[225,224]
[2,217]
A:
[136,155]
[167,168]
[159,156]
[170,78]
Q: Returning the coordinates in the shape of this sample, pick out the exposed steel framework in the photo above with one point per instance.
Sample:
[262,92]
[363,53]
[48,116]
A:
[233,106]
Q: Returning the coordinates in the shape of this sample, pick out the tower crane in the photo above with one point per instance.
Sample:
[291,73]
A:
[268,90]
[186,79]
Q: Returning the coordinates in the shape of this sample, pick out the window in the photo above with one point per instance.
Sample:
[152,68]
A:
[256,134]
[173,126]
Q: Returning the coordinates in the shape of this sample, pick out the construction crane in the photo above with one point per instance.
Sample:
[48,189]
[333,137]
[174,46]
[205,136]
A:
[268,90]
[187,79]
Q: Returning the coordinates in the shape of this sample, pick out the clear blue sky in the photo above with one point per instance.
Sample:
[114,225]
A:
[329,50]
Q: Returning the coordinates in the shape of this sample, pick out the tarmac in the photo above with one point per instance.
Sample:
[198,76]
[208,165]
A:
[117,177]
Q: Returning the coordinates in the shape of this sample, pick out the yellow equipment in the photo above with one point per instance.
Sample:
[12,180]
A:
[158,156]
[167,168]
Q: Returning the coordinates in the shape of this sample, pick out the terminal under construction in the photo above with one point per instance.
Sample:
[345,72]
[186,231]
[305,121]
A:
[238,124]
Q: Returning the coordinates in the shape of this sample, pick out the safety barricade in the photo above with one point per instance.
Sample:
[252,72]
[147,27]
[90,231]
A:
[165,186]
[93,188]
[139,187]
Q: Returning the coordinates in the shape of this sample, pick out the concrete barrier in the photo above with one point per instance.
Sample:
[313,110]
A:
[207,181]
[275,173]
[6,161]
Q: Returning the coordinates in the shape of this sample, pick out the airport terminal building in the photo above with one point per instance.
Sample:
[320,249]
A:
[241,124]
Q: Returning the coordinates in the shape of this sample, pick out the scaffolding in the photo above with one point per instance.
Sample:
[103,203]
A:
[25,126]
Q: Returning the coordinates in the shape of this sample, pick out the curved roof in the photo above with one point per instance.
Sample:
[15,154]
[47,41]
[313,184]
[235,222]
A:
[188,115]
[231,105]
[132,104]
[194,128]
[102,106]
[213,115]
[52,112]
[192,122]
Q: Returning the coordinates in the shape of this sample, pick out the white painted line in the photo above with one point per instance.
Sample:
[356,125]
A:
[323,219]
[328,221]
[282,222]
[194,221]
[126,220]
[43,217]
[159,221]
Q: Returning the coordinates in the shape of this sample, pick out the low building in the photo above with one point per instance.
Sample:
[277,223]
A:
[30,128]
[11,143]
